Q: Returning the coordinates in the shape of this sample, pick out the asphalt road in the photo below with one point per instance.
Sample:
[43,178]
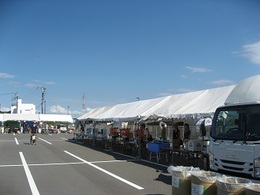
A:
[58,166]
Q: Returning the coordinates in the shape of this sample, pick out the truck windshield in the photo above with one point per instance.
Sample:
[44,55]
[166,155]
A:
[237,123]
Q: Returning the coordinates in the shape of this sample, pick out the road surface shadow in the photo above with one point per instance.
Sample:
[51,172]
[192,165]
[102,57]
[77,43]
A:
[164,178]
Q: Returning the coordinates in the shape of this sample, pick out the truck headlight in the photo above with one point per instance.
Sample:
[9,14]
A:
[257,162]
[211,161]
[257,167]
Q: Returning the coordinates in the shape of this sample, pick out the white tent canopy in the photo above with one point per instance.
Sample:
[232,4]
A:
[174,103]
[36,117]
[94,113]
[207,102]
[245,92]
[55,117]
[20,117]
[192,104]
[129,111]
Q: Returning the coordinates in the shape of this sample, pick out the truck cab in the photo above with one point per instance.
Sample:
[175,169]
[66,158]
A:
[235,134]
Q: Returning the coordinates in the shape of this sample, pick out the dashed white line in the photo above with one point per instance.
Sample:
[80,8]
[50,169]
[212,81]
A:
[30,179]
[45,141]
[105,171]
[64,138]
[16,141]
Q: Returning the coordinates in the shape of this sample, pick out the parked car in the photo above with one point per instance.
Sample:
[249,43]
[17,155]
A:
[62,128]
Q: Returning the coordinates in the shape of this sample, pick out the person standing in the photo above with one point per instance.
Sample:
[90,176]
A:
[187,132]
[176,141]
[148,136]
[164,133]
[202,130]
[141,144]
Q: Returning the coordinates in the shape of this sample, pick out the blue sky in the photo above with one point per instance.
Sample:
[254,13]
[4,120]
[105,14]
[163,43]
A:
[113,51]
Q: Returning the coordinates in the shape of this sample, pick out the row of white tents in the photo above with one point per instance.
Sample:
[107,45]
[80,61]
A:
[193,105]
[196,105]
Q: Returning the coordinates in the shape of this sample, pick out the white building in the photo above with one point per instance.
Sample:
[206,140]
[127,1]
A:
[20,108]
[27,112]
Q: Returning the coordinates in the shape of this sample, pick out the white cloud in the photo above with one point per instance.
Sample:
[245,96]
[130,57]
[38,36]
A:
[6,76]
[38,84]
[49,82]
[183,76]
[164,94]
[14,83]
[176,91]
[252,52]
[58,109]
[184,90]
[222,82]
[198,69]
[43,82]
[61,110]
[30,85]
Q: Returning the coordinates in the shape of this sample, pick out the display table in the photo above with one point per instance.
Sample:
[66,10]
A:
[155,147]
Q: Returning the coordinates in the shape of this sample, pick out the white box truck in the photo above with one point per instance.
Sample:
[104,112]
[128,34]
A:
[235,134]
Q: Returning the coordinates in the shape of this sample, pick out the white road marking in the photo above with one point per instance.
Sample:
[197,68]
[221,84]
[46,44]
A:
[105,161]
[62,164]
[55,164]
[30,179]
[105,171]
[2,166]
[16,141]
[64,138]
[45,141]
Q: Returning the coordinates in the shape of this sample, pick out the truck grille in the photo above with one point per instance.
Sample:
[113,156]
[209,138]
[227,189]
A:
[232,162]
[233,168]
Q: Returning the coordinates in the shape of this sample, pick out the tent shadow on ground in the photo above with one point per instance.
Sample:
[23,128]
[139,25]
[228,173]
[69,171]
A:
[119,156]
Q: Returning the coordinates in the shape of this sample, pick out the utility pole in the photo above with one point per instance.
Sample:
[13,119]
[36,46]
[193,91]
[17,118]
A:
[16,97]
[43,102]
[83,104]
[68,109]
